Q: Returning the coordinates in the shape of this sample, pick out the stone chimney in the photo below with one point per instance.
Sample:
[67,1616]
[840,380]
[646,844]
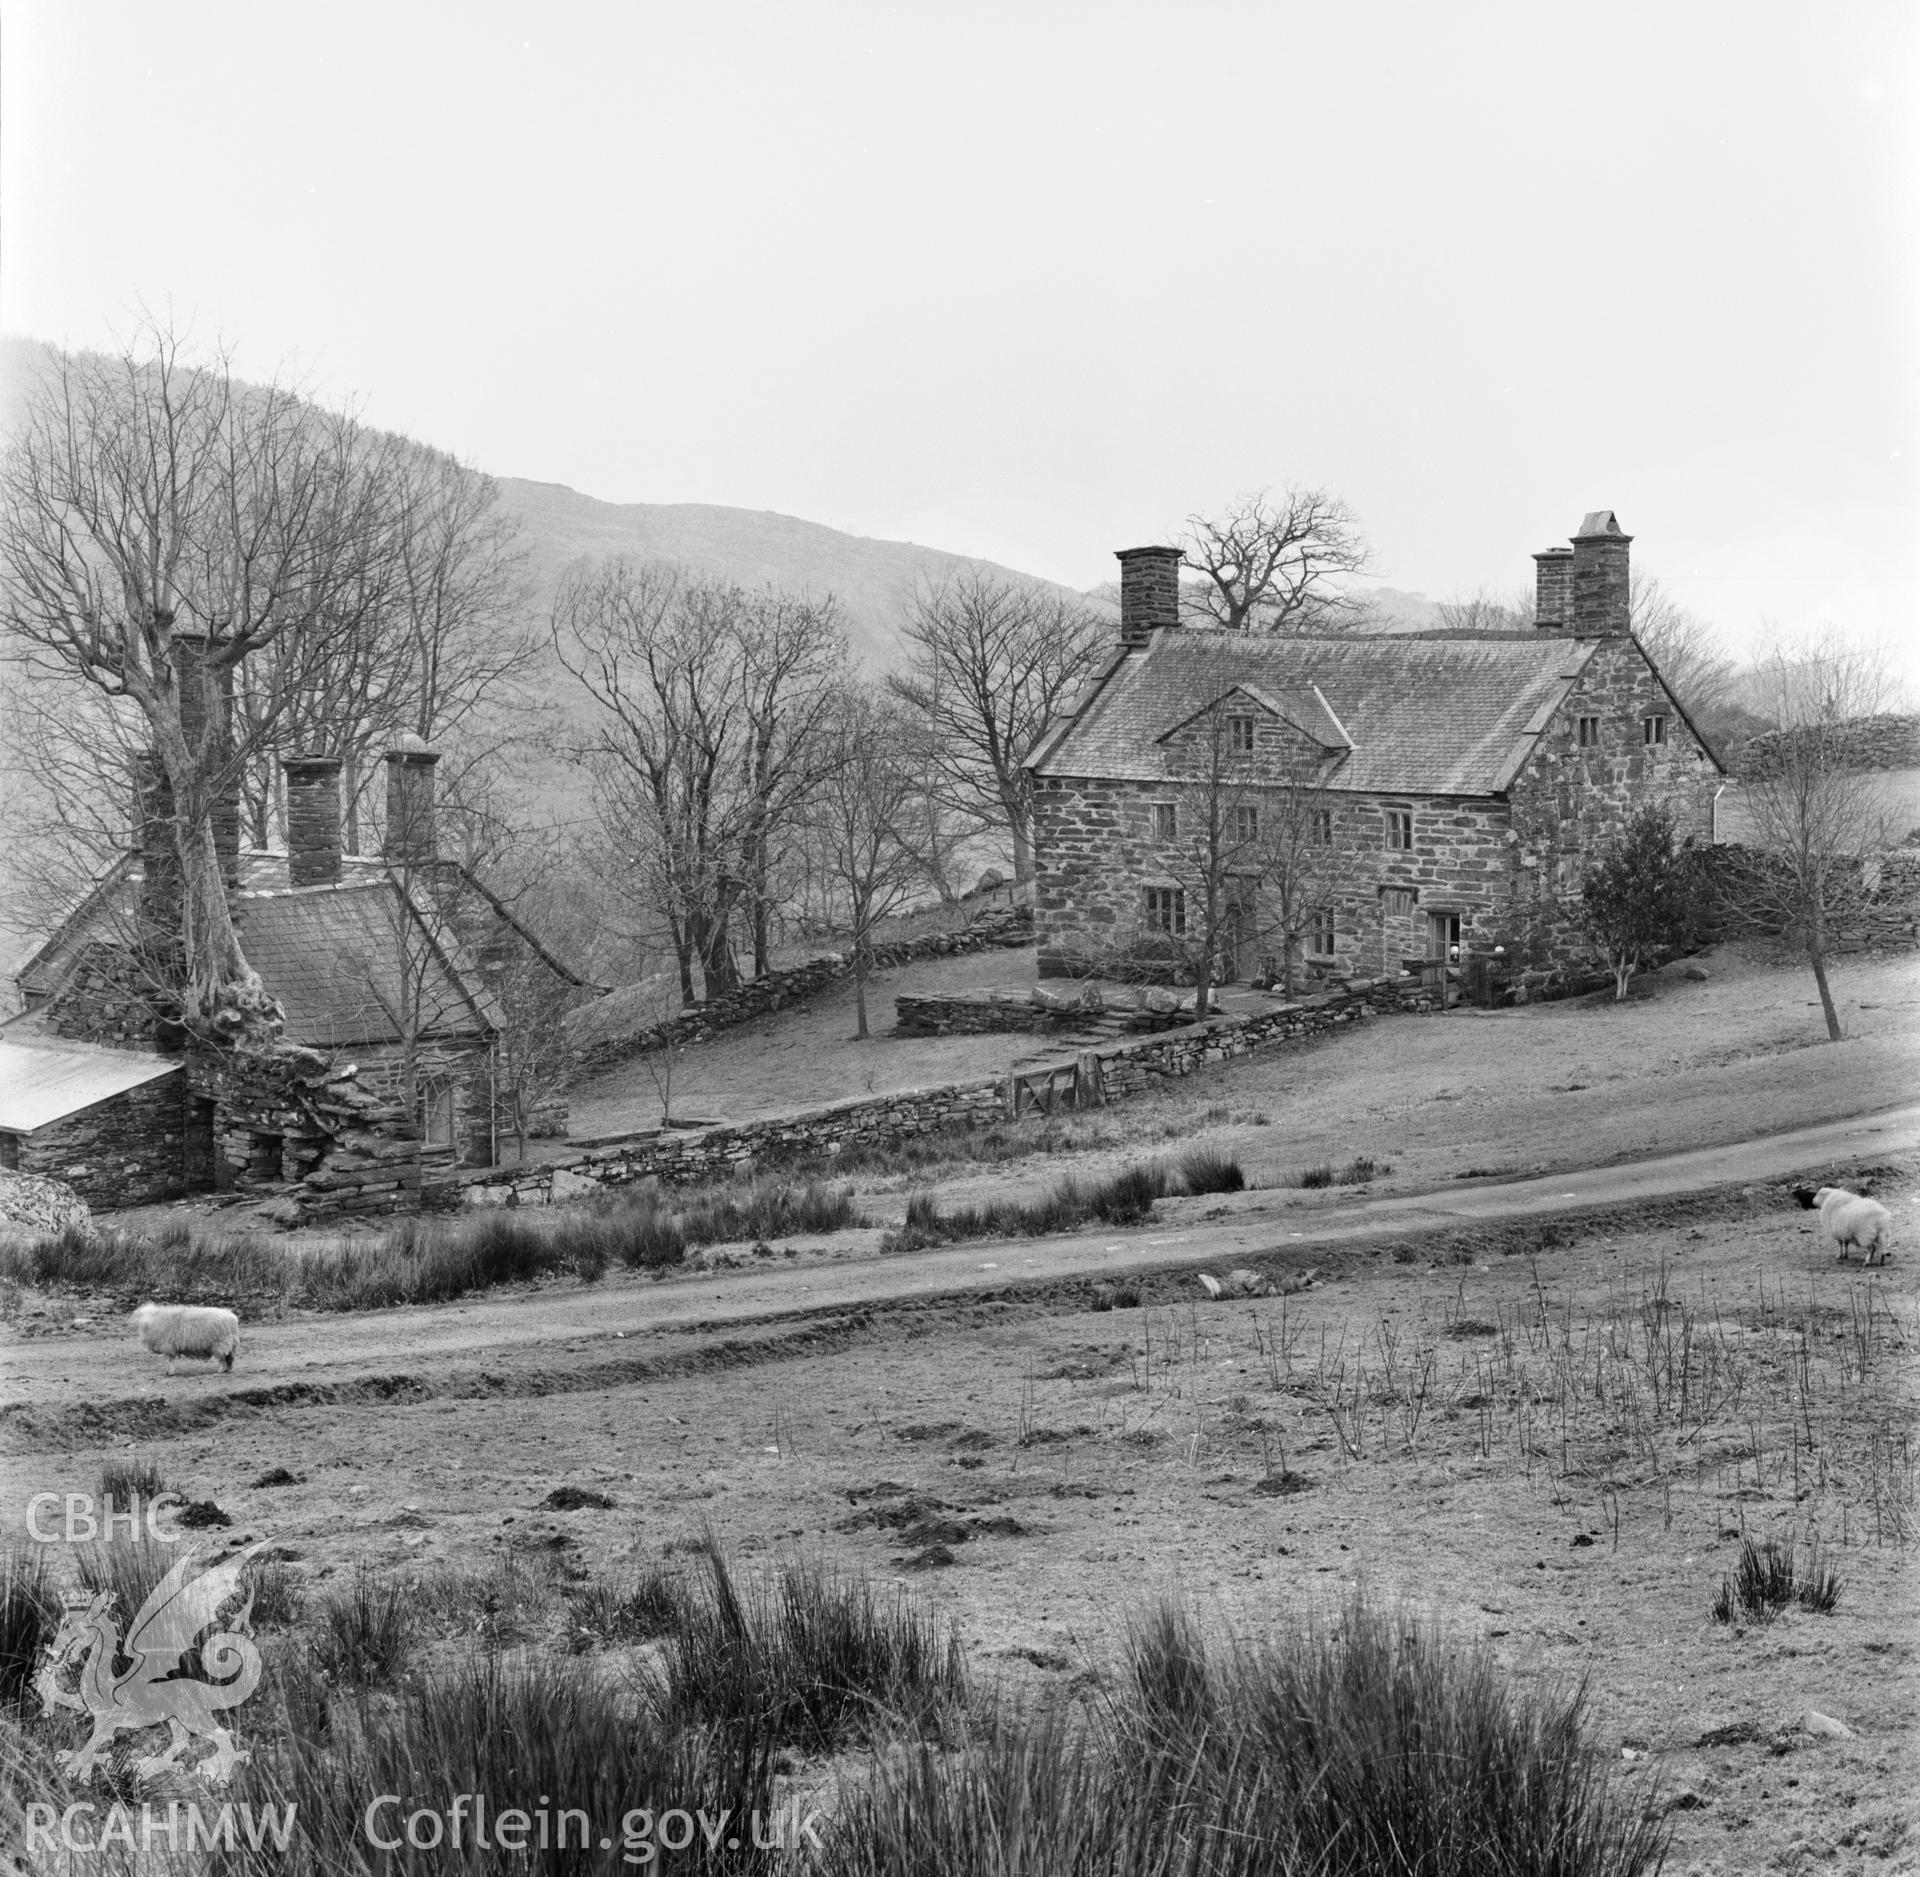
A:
[313,820]
[206,711]
[1149,591]
[1601,577]
[410,839]
[1553,588]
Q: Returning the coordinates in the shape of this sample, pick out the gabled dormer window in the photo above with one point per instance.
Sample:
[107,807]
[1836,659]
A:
[1240,735]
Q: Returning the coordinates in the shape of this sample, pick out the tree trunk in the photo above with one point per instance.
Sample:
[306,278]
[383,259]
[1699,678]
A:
[1817,957]
[1622,971]
[1022,848]
[860,986]
[222,992]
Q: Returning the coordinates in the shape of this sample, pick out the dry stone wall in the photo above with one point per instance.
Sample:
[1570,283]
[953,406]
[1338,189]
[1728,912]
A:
[1126,1068]
[1886,742]
[1005,926]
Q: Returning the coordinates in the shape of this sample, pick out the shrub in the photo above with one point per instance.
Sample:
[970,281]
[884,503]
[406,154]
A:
[1357,1172]
[130,1568]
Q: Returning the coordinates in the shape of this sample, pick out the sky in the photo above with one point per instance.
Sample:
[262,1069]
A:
[1036,281]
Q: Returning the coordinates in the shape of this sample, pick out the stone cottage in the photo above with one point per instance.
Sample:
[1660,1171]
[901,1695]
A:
[381,962]
[1456,784]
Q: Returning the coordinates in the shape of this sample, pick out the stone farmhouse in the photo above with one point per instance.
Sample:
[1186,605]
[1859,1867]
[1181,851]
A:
[373,959]
[1458,784]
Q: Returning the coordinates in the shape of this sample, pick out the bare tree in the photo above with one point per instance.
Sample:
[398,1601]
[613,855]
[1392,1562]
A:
[712,707]
[991,661]
[1819,824]
[1270,564]
[1488,610]
[440,633]
[160,523]
[1686,649]
[867,795]
[793,668]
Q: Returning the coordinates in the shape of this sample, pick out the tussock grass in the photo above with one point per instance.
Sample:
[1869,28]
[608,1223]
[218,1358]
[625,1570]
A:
[1125,1198]
[130,1485]
[1356,1172]
[29,1615]
[810,1659]
[540,1733]
[1768,1579]
[363,1635]
[606,1615]
[128,1567]
[1367,1746]
[1209,1170]
[431,1260]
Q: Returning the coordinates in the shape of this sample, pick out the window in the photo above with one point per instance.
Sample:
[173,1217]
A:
[1397,902]
[1166,824]
[1166,909]
[1240,735]
[1653,728]
[1246,824]
[1443,935]
[1589,732]
[1320,827]
[1400,827]
[1320,935]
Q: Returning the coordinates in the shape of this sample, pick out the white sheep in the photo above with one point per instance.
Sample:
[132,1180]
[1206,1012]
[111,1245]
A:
[1851,1220]
[185,1329]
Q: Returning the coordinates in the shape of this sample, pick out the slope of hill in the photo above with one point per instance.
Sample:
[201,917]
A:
[874,581]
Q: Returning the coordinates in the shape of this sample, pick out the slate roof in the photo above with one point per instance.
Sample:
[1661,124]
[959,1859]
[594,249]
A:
[107,914]
[43,1084]
[1425,717]
[335,958]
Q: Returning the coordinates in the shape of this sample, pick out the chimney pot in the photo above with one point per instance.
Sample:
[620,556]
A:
[313,820]
[1149,591]
[410,832]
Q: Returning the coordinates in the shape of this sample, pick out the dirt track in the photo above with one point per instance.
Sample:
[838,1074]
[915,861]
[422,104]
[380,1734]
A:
[93,1381]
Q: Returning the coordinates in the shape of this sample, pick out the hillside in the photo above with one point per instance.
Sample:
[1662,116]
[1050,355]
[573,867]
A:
[874,581]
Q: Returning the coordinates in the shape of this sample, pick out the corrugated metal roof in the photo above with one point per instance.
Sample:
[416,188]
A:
[40,1085]
[1426,717]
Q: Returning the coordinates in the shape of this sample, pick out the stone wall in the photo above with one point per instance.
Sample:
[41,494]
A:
[125,1151]
[1126,1068]
[1876,907]
[293,1123]
[1041,1011]
[1003,926]
[1885,742]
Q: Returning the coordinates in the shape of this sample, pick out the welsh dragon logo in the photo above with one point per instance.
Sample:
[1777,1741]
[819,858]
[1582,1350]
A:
[160,1684]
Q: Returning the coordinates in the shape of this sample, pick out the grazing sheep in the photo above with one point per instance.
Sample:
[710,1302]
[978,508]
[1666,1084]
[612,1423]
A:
[184,1329]
[1851,1220]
